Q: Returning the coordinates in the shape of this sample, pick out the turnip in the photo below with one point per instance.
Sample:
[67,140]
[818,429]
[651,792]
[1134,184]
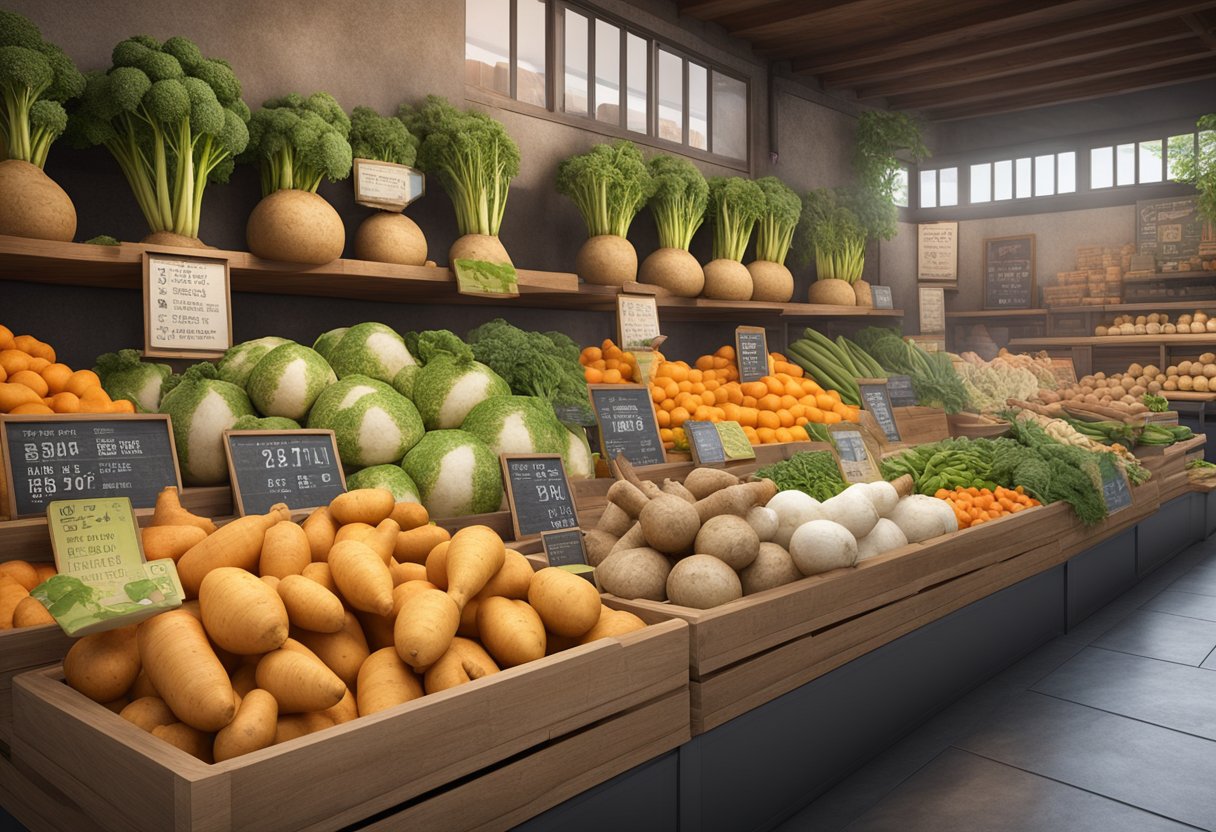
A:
[821,545]
[885,537]
[734,206]
[386,236]
[764,521]
[920,517]
[678,205]
[793,508]
[853,509]
[883,495]
[771,280]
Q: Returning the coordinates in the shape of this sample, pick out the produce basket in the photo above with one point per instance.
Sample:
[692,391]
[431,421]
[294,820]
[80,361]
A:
[971,426]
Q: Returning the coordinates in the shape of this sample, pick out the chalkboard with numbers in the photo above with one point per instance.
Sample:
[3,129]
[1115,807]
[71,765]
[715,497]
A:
[1009,272]
[625,415]
[538,493]
[705,442]
[299,468]
[751,353]
[564,548]
[1115,490]
[899,389]
[877,401]
[76,456]
[1168,229]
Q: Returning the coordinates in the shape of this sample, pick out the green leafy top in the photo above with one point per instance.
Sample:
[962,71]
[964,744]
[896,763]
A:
[36,77]
[473,157]
[680,197]
[431,343]
[532,363]
[1200,170]
[775,228]
[828,223]
[199,373]
[734,206]
[173,120]
[299,141]
[383,138]
[609,183]
[880,136]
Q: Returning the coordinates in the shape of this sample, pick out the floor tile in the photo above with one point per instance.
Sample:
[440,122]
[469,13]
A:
[1152,768]
[1200,581]
[1161,693]
[1159,635]
[961,792]
[1183,603]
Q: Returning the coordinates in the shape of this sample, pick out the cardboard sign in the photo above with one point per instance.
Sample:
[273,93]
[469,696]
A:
[883,299]
[487,280]
[1116,492]
[705,442]
[625,415]
[637,321]
[876,400]
[751,353]
[937,251]
[1009,267]
[932,310]
[300,468]
[734,441]
[853,454]
[187,306]
[538,493]
[103,581]
[1064,371]
[387,186]
[564,548]
[900,392]
[85,455]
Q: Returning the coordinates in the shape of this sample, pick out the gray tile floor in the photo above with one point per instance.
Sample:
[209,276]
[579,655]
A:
[1111,727]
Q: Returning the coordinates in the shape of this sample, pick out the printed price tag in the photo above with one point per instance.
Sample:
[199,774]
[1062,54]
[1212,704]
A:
[187,306]
[490,280]
[387,186]
[637,321]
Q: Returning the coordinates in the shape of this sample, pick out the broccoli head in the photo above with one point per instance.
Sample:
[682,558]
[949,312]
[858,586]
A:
[434,342]
[775,227]
[609,183]
[299,141]
[36,77]
[383,138]
[679,201]
[734,206]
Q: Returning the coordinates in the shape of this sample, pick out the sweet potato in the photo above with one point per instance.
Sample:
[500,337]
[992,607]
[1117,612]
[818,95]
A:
[182,666]
[385,681]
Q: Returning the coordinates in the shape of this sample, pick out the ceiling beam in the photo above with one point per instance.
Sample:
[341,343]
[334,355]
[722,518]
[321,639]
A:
[1083,91]
[1040,57]
[798,18]
[1196,26]
[713,9]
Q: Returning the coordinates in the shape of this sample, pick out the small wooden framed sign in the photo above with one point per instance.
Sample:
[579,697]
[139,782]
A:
[187,306]
[705,442]
[899,390]
[751,352]
[627,424]
[854,454]
[1116,491]
[1009,268]
[77,456]
[300,468]
[1064,371]
[538,494]
[932,310]
[565,547]
[883,299]
[637,321]
[937,252]
[387,186]
[877,401]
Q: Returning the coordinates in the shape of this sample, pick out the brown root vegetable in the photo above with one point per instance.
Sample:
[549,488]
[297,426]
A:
[771,281]
[670,524]
[34,205]
[612,623]
[295,226]
[628,497]
[321,530]
[832,292]
[737,499]
[342,652]
[614,521]
[727,279]
[194,742]
[169,512]
[390,237]
[511,631]
[631,539]
[385,682]
[482,247]
[675,270]
[634,573]
[702,582]
[607,260]
[464,662]
[677,489]
[701,482]
[598,544]
[773,567]
[730,539]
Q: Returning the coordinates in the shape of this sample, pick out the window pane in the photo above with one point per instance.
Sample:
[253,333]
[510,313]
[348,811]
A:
[607,72]
[981,183]
[1023,188]
[1150,161]
[730,116]
[1125,164]
[530,53]
[947,187]
[576,63]
[671,97]
[1003,174]
[1180,147]
[1044,175]
[1101,167]
[1066,166]
[636,83]
[487,44]
[900,195]
[928,189]
[698,106]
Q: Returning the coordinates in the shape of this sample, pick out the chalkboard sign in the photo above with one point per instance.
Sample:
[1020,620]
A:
[877,401]
[299,468]
[883,298]
[538,493]
[1115,490]
[899,389]
[77,456]
[1168,229]
[705,442]
[564,548]
[625,415]
[751,353]
[1009,269]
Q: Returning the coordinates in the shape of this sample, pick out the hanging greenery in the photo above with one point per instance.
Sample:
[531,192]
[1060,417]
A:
[1199,169]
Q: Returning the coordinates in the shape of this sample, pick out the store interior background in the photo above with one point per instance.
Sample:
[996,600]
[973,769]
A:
[380,53]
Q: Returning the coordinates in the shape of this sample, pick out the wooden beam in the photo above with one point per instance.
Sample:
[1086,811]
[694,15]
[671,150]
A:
[713,9]
[1196,26]
[799,19]
[1100,88]
[1039,57]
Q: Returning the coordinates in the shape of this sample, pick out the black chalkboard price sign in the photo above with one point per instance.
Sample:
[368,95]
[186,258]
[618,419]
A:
[1009,269]
[564,548]
[751,353]
[705,442]
[1115,490]
[1169,229]
[874,398]
[625,415]
[538,493]
[77,456]
[299,468]
[899,389]
[883,299]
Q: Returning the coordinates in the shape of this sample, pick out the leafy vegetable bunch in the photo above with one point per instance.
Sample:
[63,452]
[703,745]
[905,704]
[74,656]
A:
[775,227]
[881,135]
[734,206]
[680,197]
[296,142]
[1199,169]
[934,379]
[830,233]
[36,77]
[609,183]
[542,364]
[811,472]
[383,138]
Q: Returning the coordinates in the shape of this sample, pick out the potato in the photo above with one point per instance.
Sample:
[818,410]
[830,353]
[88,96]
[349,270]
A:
[1127,329]
[1170,384]
[612,623]
[1207,358]
[1200,384]
[1184,368]
[1184,319]
[1154,387]
[1199,318]
[1140,320]
[1099,330]
[512,631]
[773,567]
[1154,318]
[702,582]
[567,604]
[634,573]
[1186,383]
[1135,370]
[103,666]
[1138,391]
[677,271]
[1140,329]
[1172,370]
[730,539]
[670,524]
[1168,329]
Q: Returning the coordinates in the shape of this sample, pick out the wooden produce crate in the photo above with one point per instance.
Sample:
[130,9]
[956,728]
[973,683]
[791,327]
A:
[22,650]
[1145,500]
[727,640]
[126,779]
[921,425]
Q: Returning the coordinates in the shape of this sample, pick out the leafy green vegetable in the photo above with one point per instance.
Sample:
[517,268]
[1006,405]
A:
[775,227]
[124,376]
[1199,169]
[609,183]
[299,141]
[1155,404]
[934,379]
[429,344]
[383,138]
[734,206]
[811,472]
[881,134]
[103,240]
[830,232]
[36,77]
[679,201]
[532,363]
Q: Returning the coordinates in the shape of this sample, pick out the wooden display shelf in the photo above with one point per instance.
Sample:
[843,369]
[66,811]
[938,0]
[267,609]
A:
[1118,340]
[1187,396]
[1152,278]
[1139,306]
[999,313]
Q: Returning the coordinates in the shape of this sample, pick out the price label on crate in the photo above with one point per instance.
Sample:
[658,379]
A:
[627,426]
[187,306]
[899,389]
[1064,371]
[71,456]
[299,468]
[854,454]
[751,353]
[565,547]
[1116,491]
[705,442]
[877,401]
[538,493]
[734,441]
[487,280]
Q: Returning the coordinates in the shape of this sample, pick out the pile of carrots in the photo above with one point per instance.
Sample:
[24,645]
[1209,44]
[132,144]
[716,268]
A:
[609,364]
[31,382]
[973,506]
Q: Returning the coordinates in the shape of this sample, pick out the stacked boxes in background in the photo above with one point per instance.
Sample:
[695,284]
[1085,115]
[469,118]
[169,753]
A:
[1097,279]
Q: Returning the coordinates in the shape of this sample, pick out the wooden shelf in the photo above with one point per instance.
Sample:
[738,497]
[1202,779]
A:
[1170,276]
[999,313]
[1119,341]
[1187,396]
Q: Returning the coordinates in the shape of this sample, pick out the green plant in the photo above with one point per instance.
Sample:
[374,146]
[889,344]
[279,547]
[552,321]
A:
[383,138]
[609,183]
[473,157]
[173,121]
[881,135]
[830,232]
[680,198]
[1199,169]
[734,206]
[775,227]
[299,141]
[36,77]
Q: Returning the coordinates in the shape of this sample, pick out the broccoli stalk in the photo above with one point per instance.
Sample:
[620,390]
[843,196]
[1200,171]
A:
[734,206]
[609,184]
[679,200]
[473,158]
[299,141]
[382,138]
[172,119]
[775,228]
[36,77]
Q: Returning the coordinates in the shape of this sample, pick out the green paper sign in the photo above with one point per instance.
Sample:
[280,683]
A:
[494,280]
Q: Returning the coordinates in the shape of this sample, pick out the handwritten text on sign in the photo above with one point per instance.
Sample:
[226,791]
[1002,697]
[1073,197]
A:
[937,251]
[387,186]
[637,319]
[625,415]
[298,468]
[188,308]
[538,494]
[932,310]
[877,401]
[1009,271]
[751,353]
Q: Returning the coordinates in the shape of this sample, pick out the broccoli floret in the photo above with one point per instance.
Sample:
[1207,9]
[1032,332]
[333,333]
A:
[173,121]
[383,138]
[434,342]
[734,206]
[775,228]
[299,141]
[679,201]
[532,363]
[36,77]
[610,183]
[103,240]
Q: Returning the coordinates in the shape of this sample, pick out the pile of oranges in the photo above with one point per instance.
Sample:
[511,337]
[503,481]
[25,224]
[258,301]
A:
[609,364]
[973,506]
[31,382]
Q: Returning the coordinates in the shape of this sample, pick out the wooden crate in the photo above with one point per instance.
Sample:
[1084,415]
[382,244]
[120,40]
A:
[921,425]
[127,779]
[22,650]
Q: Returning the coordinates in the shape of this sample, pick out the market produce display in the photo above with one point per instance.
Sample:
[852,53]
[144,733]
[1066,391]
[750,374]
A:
[812,472]
[1158,323]
[1121,395]
[989,385]
[771,280]
[837,364]
[32,382]
[734,206]
[973,506]
[933,376]
[17,607]
[680,198]
[386,236]
[609,364]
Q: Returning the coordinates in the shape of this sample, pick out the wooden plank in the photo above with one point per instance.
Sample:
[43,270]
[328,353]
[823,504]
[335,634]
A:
[1185,396]
[36,804]
[21,650]
[1116,341]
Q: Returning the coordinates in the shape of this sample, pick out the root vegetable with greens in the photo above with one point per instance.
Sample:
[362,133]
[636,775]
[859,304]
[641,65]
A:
[771,280]
[734,206]
[679,202]
[386,236]
[830,231]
